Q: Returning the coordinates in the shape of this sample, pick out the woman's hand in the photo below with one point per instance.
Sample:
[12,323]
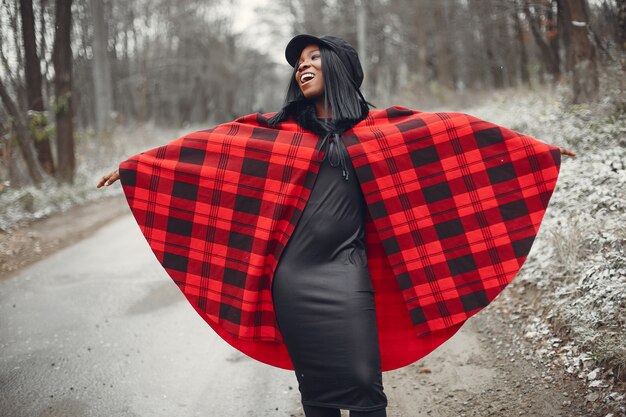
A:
[109,178]
[567,152]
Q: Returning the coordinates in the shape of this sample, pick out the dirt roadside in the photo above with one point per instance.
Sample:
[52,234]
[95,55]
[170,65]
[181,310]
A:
[488,369]
[484,371]
[29,242]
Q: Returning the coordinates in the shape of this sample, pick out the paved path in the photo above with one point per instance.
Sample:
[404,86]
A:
[98,329]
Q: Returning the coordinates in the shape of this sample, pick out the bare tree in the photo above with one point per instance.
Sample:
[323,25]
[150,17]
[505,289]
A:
[13,71]
[122,77]
[63,90]
[310,15]
[621,19]
[24,138]
[36,118]
[442,59]
[537,22]
[361,30]
[581,53]
[521,44]
[101,67]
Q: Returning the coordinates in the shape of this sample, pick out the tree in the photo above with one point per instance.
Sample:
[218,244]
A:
[521,42]
[24,139]
[62,57]
[581,53]
[544,36]
[101,68]
[361,34]
[621,18]
[36,119]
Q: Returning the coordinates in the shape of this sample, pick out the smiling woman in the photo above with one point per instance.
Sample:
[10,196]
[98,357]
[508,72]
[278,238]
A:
[333,91]
[341,274]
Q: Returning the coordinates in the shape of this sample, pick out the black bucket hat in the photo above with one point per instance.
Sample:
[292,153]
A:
[343,49]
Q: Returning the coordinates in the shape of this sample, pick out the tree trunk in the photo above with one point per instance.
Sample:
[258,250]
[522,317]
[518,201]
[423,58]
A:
[24,139]
[523,54]
[547,54]
[125,102]
[553,29]
[361,32]
[43,48]
[18,55]
[101,68]
[503,45]
[442,46]
[62,57]
[36,120]
[580,50]
[621,19]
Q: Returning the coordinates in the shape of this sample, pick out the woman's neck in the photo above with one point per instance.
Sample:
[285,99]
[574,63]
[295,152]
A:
[319,110]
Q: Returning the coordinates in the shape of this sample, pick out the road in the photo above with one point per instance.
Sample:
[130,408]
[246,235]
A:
[98,329]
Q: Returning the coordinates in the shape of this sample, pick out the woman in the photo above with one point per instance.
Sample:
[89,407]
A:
[322,291]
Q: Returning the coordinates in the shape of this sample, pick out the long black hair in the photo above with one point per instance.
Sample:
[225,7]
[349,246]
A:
[341,95]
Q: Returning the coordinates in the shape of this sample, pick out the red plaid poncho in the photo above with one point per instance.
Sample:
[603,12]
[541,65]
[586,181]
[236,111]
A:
[455,203]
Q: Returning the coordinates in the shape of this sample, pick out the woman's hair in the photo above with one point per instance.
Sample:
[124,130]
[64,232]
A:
[347,104]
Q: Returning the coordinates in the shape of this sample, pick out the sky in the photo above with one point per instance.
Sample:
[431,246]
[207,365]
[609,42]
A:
[261,34]
[247,16]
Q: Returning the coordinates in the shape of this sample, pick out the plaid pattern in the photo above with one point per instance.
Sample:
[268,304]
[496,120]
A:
[455,203]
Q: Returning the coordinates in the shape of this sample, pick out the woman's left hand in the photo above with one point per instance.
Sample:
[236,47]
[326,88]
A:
[567,152]
[109,178]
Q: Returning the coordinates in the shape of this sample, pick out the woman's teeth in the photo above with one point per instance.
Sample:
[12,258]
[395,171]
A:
[307,76]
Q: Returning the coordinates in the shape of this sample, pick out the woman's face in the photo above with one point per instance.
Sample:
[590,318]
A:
[309,73]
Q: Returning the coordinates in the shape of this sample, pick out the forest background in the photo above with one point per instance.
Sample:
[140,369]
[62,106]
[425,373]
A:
[75,72]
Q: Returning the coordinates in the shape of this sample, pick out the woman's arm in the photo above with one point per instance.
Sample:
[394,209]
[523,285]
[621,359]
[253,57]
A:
[109,178]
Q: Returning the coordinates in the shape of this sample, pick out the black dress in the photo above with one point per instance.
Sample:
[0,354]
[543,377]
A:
[324,298]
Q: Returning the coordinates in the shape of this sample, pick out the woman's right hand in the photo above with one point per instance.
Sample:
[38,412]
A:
[109,178]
